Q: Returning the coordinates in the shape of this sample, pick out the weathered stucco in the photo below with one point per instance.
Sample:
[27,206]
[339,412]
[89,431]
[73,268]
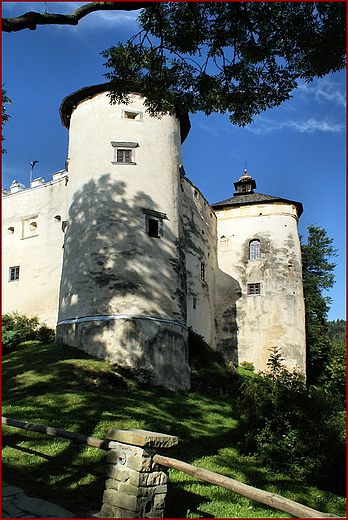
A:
[200,246]
[275,317]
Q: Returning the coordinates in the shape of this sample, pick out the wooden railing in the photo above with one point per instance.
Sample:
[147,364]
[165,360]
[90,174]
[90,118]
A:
[270,499]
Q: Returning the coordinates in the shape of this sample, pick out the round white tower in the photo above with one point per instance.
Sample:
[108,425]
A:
[123,284]
[259,289]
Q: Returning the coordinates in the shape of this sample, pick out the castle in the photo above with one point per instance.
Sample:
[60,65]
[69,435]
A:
[121,253]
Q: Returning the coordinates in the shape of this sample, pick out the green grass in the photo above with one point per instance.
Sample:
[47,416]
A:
[65,388]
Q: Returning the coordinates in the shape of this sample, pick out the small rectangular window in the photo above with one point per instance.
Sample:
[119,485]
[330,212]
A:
[154,222]
[153,227]
[254,250]
[13,274]
[253,289]
[202,271]
[124,156]
[132,114]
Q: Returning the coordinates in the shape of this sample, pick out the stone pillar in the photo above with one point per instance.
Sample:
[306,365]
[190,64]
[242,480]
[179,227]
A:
[136,487]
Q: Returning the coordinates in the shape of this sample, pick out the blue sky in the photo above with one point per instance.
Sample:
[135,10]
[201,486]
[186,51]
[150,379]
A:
[296,151]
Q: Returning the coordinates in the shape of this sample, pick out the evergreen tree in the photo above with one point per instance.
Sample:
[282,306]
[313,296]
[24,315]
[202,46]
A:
[337,331]
[317,277]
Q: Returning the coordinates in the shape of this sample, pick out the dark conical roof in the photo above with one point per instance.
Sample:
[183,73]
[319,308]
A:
[245,196]
[70,103]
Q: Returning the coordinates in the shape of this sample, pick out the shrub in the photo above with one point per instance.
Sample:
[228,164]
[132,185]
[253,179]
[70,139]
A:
[210,374]
[291,429]
[45,334]
[247,366]
[17,328]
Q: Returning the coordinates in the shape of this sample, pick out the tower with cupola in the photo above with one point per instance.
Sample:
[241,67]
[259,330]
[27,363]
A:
[259,293]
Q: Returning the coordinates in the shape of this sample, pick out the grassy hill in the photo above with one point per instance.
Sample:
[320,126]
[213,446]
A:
[65,388]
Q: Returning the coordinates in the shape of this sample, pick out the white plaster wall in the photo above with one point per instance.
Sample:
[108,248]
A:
[110,265]
[276,316]
[200,246]
[39,255]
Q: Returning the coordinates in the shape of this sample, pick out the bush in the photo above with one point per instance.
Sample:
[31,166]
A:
[247,366]
[210,374]
[291,429]
[17,328]
[45,334]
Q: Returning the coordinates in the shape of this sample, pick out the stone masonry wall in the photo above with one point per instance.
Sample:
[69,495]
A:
[136,487]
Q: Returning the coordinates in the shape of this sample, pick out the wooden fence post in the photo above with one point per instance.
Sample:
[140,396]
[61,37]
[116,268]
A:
[136,486]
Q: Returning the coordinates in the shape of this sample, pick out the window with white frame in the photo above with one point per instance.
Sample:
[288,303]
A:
[254,250]
[124,152]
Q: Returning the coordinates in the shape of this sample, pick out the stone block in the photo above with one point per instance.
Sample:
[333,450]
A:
[115,498]
[135,478]
[159,501]
[135,502]
[132,457]
[142,438]
[117,473]
[109,511]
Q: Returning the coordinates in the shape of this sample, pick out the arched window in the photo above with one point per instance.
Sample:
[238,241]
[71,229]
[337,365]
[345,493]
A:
[254,250]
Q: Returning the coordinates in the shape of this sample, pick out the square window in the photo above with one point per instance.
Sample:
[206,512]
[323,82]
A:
[124,156]
[13,274]
[124,152]
[254,289]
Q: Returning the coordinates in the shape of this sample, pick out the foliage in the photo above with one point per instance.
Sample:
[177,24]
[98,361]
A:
[45,334]
[236,57]
[336,371]
[5,100]
[317,277]
[201,354]
[274,362]
[210,374]
[246,365]
[293,430]
[17,328]
[65,388]
[337,331]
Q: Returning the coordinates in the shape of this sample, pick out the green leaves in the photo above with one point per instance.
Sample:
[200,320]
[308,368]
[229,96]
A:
[317,276]
[5,100]
[236,57]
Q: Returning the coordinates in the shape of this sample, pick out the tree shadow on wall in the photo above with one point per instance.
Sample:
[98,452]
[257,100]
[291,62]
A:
[228,291]
[112,266]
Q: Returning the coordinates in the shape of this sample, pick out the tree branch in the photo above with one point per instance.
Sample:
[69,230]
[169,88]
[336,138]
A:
[31,19]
